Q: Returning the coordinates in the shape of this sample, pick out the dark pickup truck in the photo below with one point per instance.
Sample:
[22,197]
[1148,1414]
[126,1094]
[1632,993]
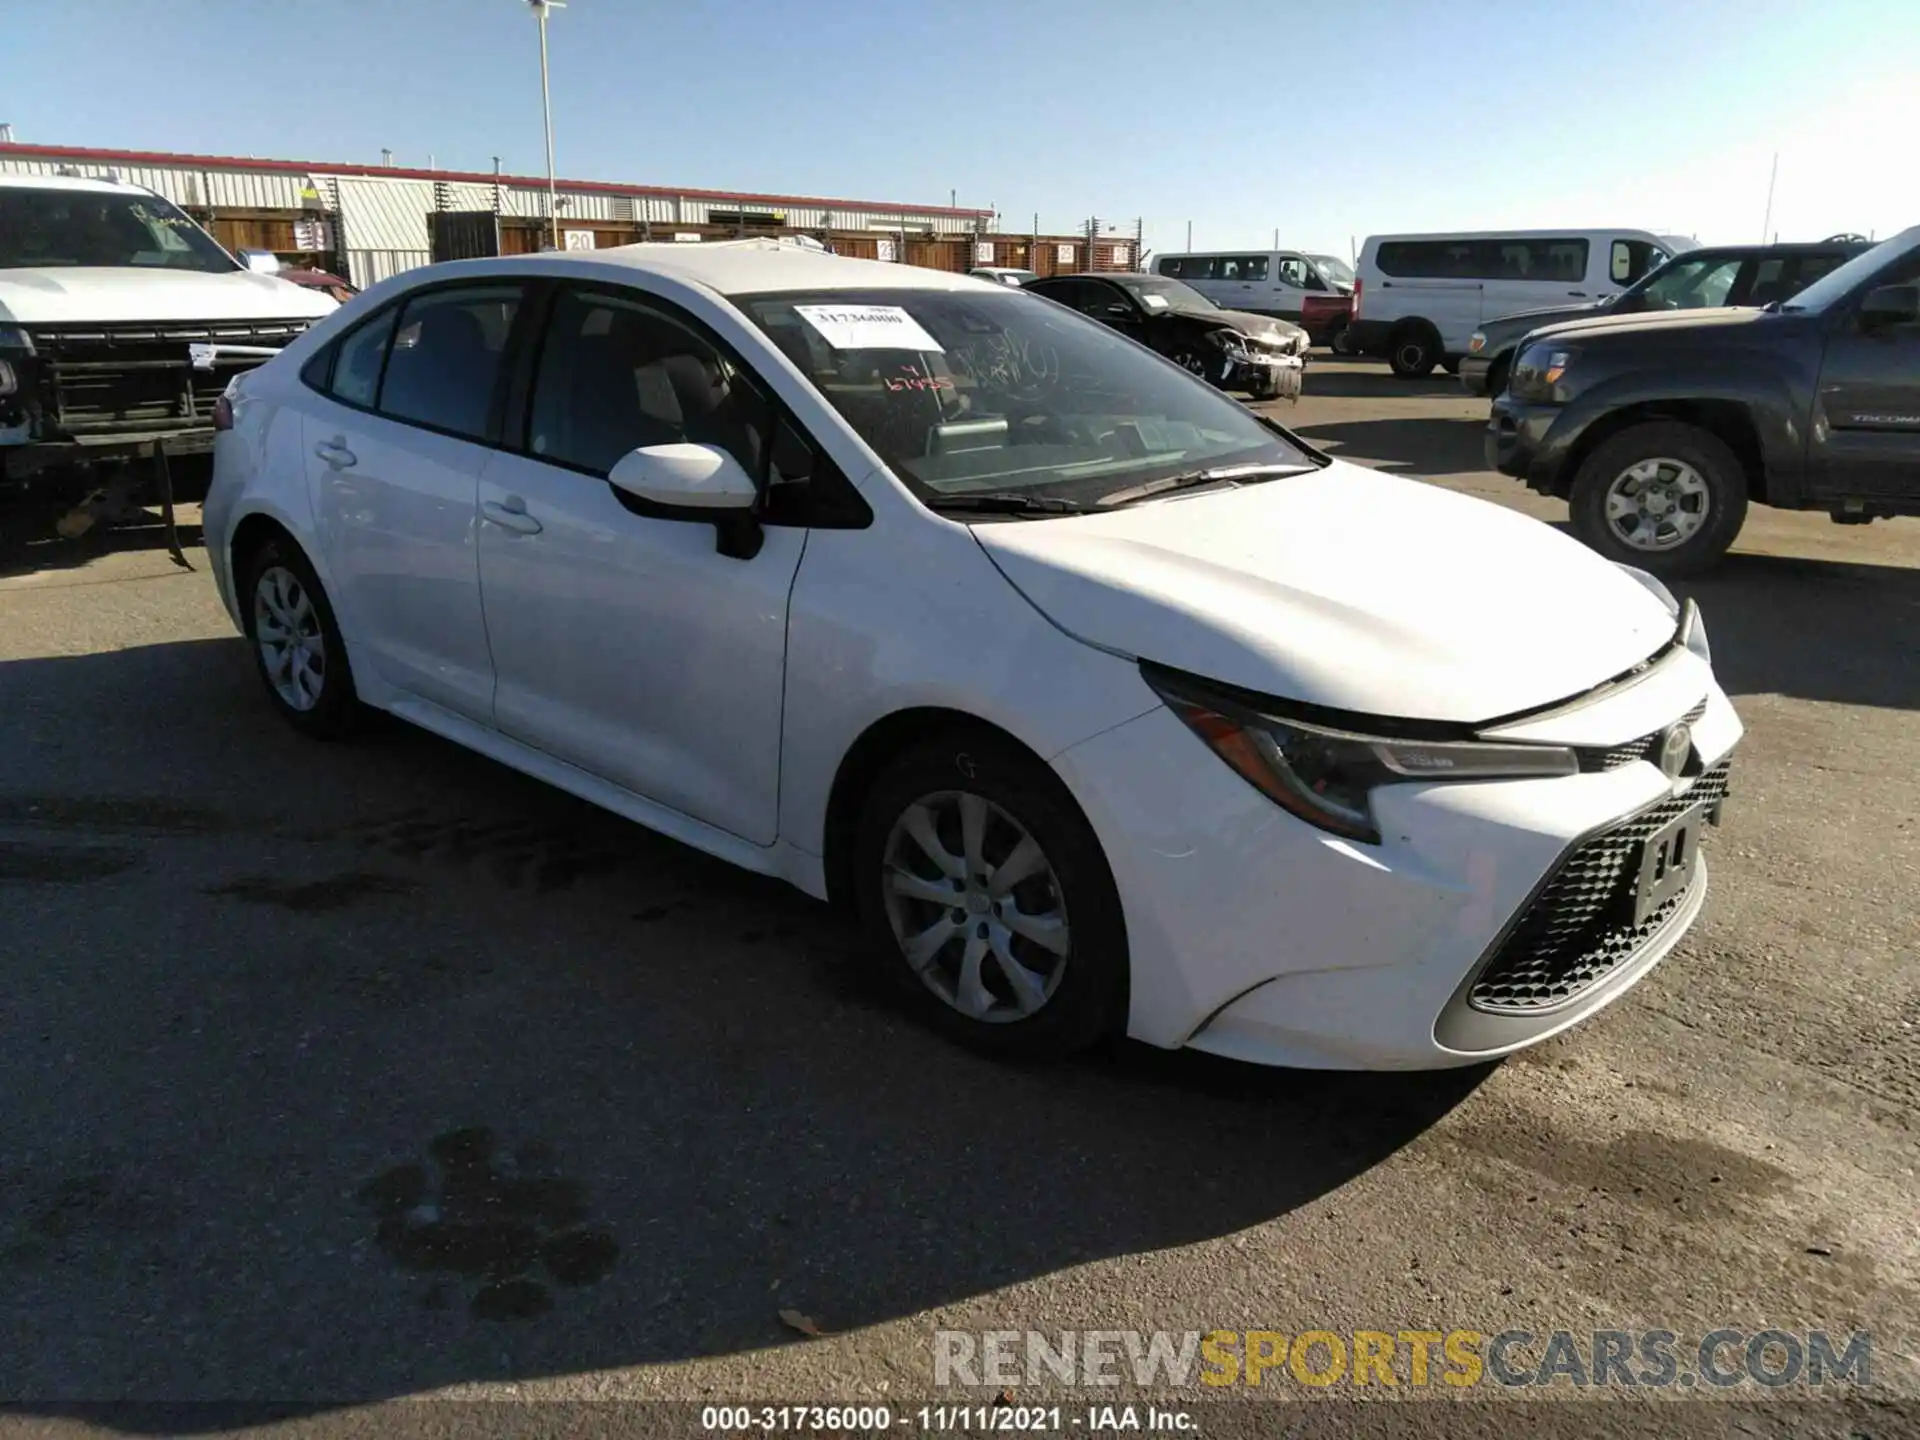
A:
[1660,429]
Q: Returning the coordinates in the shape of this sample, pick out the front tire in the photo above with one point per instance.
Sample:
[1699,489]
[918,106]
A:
[1413,351]
[987,902]
[1666,497]
[297,649]
[1193,360]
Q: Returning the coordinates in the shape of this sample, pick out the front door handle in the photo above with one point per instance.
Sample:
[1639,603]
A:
[511,514]
[336,453]
[1578,294]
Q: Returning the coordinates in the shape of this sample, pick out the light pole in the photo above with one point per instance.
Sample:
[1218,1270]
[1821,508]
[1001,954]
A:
[540,9]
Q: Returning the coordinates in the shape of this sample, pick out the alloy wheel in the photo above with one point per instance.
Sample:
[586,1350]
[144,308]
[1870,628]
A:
[1657,504]
[975,906]
[286,627]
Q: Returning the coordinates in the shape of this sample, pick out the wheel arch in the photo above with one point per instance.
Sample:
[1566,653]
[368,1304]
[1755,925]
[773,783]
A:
[1728,421]
[880,742]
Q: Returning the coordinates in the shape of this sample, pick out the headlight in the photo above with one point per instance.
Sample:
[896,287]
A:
[1327,776]
[1233,342]
[12,337]
[1538,371]
[1476,342]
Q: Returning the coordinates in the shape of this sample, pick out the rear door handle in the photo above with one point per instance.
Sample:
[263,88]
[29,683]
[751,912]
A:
[336,453]
[511,514]
[1578,294]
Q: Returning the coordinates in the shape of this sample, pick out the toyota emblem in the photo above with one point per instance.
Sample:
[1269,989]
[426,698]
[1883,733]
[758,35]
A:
[1675,746]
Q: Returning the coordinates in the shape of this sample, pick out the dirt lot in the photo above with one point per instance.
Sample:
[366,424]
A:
[247,975]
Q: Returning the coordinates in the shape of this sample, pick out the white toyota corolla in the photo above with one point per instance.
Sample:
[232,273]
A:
[1105,703]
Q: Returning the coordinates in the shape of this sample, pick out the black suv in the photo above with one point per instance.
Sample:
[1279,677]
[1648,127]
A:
[1711,276]
[1659,428]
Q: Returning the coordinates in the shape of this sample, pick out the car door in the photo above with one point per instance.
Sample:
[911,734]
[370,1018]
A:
[1294,276]
[1865,435]
[395,441]
[623,643]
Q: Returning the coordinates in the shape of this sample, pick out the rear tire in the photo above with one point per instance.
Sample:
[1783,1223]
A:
[1340,342]
[1413,350]
[1046,951]
[1664,496]
[296,644]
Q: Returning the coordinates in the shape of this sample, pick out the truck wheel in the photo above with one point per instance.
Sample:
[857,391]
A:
[1340,342]
[1190,359]
[1667,497]
[1413,351]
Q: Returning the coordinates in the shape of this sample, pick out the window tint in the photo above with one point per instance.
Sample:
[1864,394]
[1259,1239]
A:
[1553,260]
[445,358]
[1172,265]
[356,373]
[1769,282]
[1810,268]
[1241,267]
[616,374]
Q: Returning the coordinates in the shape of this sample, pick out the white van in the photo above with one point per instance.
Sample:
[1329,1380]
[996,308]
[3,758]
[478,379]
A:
[1418,298]
[1310,290]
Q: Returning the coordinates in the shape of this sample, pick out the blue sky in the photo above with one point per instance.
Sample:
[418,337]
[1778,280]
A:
[1323,121]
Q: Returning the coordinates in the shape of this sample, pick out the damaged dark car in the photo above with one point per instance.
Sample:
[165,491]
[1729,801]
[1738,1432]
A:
[1230,349]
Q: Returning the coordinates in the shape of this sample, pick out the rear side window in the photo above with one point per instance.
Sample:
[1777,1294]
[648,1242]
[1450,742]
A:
[446,356]
[1550,259]
[1240,267]
[356,371]
[1175,265]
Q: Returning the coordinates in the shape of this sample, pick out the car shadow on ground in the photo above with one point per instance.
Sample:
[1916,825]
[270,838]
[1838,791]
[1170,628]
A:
[29,543]
[1366,380]
[342,1072]
[1816,629]
[1417,445]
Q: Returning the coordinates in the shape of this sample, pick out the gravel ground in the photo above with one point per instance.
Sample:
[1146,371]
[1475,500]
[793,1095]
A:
[263,996]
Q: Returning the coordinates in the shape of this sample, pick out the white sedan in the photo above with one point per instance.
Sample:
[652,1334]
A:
[1104,703]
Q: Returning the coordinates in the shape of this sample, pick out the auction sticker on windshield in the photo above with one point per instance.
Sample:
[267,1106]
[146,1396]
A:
[1154,302]
[868,327]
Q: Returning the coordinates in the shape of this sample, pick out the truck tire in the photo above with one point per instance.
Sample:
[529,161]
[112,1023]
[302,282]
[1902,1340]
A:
[1665,496]
[1413,350]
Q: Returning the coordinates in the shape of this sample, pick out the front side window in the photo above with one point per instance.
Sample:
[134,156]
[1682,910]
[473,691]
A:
[44,228]
[445,358]
[616,374]
[1692,284]
[1629,260]
[1294,271]
[962,393]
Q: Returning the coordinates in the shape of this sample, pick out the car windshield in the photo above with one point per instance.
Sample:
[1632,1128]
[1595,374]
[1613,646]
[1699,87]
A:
[1333,269]
[1838,284]
[93,227]
[977,391]
[1171,294]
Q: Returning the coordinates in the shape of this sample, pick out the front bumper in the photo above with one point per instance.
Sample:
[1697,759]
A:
[1531,442]
[1258,937]
[1275,377]
[1474,370]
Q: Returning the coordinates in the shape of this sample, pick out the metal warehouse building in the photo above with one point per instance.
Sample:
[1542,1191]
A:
[371,221]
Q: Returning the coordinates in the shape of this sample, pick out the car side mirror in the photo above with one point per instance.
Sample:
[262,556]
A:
[685,481]
[1890,305]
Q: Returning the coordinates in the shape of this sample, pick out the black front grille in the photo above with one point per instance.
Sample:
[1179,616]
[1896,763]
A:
[1647,747]
[102,379]
[1579,928]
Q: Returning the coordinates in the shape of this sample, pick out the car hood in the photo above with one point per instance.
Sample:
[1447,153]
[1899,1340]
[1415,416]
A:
[1666,321]
[1261,327]
[87,295]
[1525,320]
[1343,588]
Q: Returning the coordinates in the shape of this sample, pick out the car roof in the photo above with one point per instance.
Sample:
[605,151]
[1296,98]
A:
[749,267]
[68,182]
